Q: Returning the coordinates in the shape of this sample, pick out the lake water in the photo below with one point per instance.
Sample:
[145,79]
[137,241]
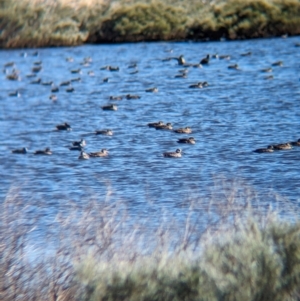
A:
[239,111]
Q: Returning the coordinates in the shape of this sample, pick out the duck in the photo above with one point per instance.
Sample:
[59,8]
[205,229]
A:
[49,83]
[180,60]
[205,60]
[246,53]
[267,70]
[81,143]
[110,68]
[269,77]
[295,143]
[111,107]
[183,75]
[54,89]
[282,146]
[131,96]
[197,85]
[105,80]
[36,81]
[76,71]
[22,150]
[53,97]
[106,132]
[167,126]
[14,75]
[70,89]
[83,156]
[269,149]
[224,57]
[190,140]
[186,130]
[102,153]
[176,154]
[115,97]
[14,94]
[65,83]
[64,127]
[76,79]
[234,66]
[152,90]
[155,124]
[46,151]
[36,69]
[278,63]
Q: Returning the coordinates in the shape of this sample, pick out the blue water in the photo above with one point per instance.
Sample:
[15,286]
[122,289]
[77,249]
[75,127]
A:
[238,112]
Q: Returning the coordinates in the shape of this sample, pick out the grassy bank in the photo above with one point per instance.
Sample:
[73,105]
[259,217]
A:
[226,251]
[38,23]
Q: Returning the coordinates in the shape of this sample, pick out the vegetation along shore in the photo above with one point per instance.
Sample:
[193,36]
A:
[43,23]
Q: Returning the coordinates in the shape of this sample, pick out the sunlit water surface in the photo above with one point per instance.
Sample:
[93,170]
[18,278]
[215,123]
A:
[238,112]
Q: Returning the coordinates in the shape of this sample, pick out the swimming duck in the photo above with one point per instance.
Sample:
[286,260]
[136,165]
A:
[106,132]
[111,107]
[110,68]
[65,83]
[131,66]
[9,64]
[49,83]
[54,89]
[279,63]
[115,97]
[186,130]
[269,149]
[102,153]
[198,85]
[105,80]
[267,70]
[23,150]
[76,79]
[295,143]
[53,97]
[282,146]
[131,96]
[234,66]
[76,71]
[190,140]
[36,81]
[183,75]
[176,154]
[246,53]
[91,73]
[31,75]
[155,124]
[167,126]
[14,75]
[205,60]
[269,77]
[180,60]
[83,156]
[70,89]
[152,90]
[64,127]
[46,151]
[81,143]
[224,57]
[36,69]
[14,94]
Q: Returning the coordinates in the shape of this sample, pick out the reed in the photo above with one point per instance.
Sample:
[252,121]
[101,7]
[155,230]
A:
[224,248]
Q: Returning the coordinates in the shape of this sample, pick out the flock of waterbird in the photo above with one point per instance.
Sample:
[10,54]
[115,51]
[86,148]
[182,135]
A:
[13,74]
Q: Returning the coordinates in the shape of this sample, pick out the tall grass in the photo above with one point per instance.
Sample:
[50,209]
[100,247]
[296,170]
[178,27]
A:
[230,247]
[37,23]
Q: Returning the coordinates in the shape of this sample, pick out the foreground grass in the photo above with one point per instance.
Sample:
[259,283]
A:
[224,251]
[40,23]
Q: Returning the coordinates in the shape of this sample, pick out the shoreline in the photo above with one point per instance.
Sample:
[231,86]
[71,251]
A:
[34,24]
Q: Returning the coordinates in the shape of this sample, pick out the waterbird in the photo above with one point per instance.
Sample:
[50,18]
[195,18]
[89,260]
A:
[106,132]
[268,149]
[64,127]
[102,153]
[110,107]
[186,130]
[176,154]
[295,143]
[152,90]
[132,96]
[205,60]
[115,97]
[81,143]
[167,126]
[22,150]
[190,140]
[155,124]
[234,66]
[282,146]
[278,63]
[46,151]
[83,156]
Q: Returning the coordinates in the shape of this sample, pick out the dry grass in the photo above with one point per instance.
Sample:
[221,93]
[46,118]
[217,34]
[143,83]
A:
[230,247]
